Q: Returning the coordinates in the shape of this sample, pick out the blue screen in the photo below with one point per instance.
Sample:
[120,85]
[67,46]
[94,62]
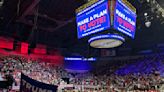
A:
[93,19]
[124,19]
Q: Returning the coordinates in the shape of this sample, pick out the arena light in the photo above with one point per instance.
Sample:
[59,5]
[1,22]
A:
[147,23]
[148,20]
[72,58]
[145,14]
[106,41]
[79,59]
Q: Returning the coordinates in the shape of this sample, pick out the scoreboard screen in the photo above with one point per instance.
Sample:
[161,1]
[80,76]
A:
[124,19]
[92,19]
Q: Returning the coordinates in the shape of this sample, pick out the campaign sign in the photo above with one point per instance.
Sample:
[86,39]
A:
[93,19]
[30,85]
[124,19]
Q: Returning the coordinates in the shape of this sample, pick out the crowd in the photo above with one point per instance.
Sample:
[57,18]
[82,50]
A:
[43,72]
[143,75]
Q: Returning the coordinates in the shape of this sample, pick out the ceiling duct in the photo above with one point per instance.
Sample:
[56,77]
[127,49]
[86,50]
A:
[156,6]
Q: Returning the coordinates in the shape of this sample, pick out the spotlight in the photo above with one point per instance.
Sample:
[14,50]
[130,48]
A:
[145,14]
[147,23]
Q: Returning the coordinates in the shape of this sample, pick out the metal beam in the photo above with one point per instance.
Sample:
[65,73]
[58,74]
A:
[31,24]
[51,19]
[45,28]
[64,24]
[29,9]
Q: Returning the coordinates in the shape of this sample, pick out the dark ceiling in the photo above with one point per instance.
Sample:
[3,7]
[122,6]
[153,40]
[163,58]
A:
[161,2]
[56,26]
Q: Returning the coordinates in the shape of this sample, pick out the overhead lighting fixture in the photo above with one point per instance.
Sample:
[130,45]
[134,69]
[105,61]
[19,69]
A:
[79,59]
[145,14]
[147,23]
[148,20]
[106,41]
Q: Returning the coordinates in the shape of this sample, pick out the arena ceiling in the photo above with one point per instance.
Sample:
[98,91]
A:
[56,26]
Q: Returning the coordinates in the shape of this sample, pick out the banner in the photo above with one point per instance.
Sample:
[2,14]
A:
[30,85]
[24,48]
